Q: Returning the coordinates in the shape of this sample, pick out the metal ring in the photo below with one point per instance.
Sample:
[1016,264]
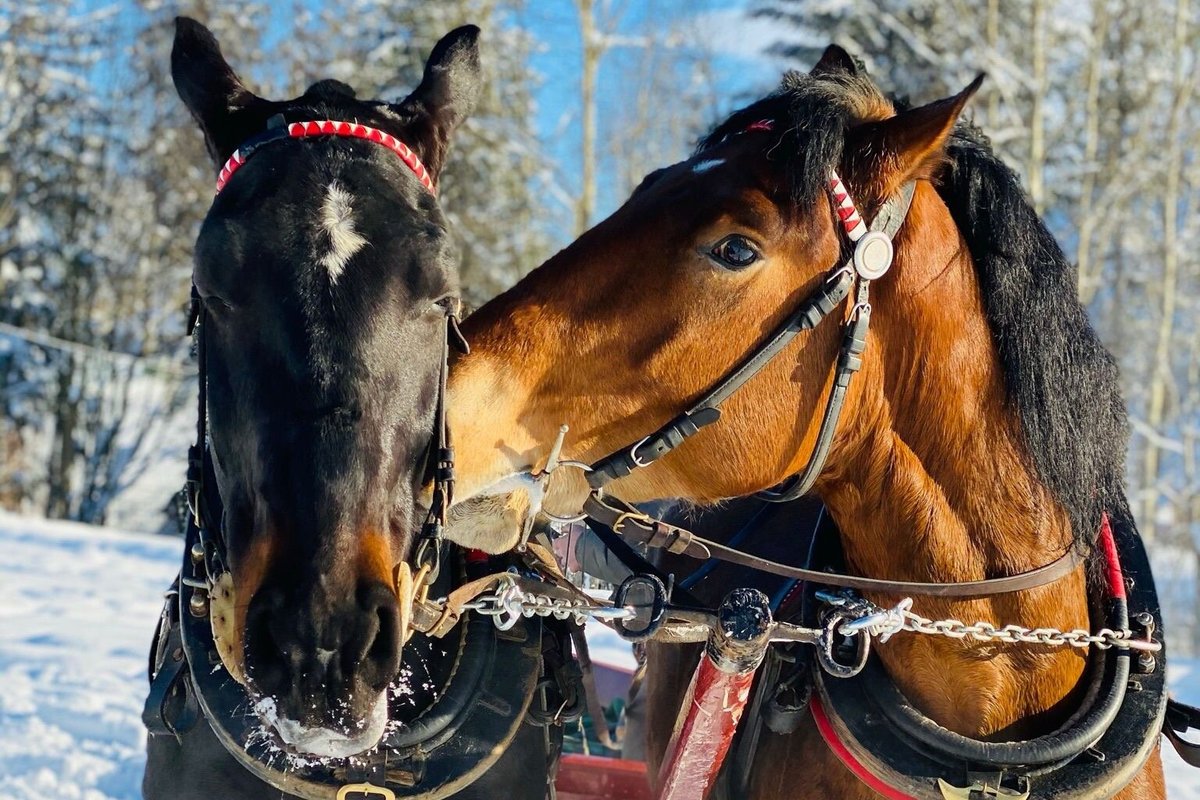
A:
[509,602]
[580,517]
[829,639]
[658,607]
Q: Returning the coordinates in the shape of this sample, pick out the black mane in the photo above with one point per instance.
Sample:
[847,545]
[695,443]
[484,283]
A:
[1059,378]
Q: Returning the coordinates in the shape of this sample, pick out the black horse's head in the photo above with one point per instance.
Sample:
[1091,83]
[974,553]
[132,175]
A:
[324,268]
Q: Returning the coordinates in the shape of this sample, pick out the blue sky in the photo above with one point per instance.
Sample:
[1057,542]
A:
[723,29]
[736,42]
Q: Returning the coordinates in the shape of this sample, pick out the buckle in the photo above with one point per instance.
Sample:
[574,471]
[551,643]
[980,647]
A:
[987,786]
[366,790]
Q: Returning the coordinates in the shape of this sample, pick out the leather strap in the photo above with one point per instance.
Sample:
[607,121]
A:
[639,529]
[595,707]
[706,411]
[807,316]
[854,344]
[1180,719]
[171,706]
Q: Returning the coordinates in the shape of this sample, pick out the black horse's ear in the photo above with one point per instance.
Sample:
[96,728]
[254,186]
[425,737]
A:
[447,94]
[211,90]
[835,61]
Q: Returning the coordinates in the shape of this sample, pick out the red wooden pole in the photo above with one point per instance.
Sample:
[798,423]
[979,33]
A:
[716,697]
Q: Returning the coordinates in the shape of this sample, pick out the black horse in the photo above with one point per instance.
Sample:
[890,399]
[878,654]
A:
[324,276]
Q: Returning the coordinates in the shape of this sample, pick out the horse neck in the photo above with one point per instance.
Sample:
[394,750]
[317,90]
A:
[930,481]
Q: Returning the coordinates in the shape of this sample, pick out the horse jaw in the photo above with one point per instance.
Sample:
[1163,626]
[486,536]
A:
[326,742]
[492,522]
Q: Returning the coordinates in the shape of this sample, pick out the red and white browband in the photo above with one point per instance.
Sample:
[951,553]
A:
[846,211]
[325,127]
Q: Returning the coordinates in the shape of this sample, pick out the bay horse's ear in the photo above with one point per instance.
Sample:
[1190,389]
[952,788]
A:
[835,61]
[211,90]
[447,93]
[882,155]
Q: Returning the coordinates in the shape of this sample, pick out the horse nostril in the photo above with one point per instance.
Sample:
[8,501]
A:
[380,642]
[266,657]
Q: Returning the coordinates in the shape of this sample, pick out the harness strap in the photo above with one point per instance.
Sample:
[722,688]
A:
[706,411]
[1182,718]
[887,222]
[807,316]
[595,707]
[171,706]
[441,455]
[637,528]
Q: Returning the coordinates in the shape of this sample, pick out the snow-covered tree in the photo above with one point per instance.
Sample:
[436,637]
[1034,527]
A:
[490,186]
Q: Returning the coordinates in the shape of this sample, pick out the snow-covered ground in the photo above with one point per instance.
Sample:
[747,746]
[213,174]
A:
[77,608]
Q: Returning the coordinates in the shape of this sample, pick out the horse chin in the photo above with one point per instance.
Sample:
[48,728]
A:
[327,742]
[491,523]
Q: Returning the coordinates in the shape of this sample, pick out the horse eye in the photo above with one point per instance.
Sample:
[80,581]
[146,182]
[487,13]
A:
[216,304]
[735,252]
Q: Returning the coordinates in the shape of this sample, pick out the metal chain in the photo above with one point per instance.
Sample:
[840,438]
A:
[509,603]
[882,624]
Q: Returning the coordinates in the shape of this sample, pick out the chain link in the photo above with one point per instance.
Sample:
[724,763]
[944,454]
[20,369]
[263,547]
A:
[882,624]
[509,603]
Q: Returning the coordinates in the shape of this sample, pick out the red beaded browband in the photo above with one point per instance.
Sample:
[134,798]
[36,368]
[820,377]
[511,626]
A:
[278,130]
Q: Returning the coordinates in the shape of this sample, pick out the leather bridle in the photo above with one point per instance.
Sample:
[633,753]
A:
[454,739]
[441,454]
[918,748]
[870,260]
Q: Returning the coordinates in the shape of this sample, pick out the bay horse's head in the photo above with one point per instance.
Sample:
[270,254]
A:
[325,271]
[629,325]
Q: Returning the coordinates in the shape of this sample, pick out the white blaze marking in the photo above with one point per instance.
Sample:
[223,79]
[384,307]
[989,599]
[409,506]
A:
[705,166]
[337,220]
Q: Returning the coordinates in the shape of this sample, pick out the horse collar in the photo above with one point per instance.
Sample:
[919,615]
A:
[898,752]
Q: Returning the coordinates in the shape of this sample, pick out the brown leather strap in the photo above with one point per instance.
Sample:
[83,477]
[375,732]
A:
[638,528]
[1182,719]
[435,619]
[591,693]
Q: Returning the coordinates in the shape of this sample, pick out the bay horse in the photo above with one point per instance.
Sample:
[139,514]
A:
[983,436]
[326,282]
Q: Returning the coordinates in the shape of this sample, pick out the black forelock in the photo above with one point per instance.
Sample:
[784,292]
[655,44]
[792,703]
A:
[1059,377]
[810,115]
